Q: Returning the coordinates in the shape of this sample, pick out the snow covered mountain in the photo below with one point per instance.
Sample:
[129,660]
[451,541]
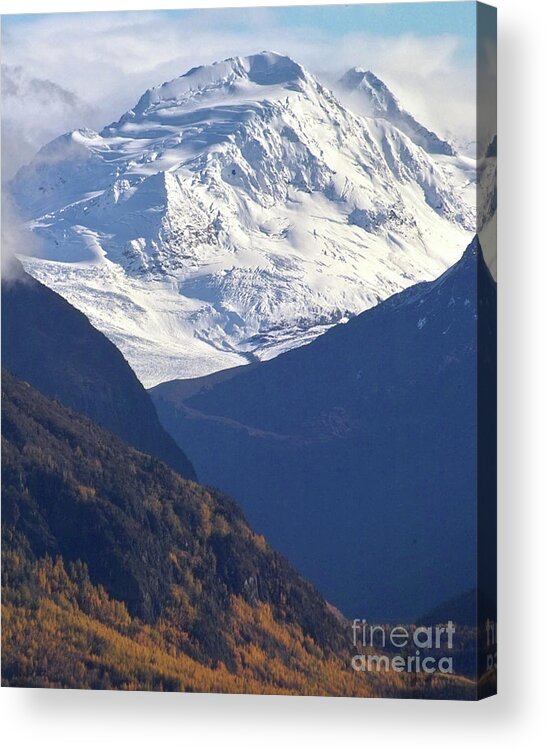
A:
[374,99]
[236,212]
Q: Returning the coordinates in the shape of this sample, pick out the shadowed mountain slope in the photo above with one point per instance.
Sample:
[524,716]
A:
[53,346]
[140,579]
[357,454]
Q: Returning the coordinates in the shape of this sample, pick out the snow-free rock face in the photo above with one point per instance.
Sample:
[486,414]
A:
[236,212]
[374,99]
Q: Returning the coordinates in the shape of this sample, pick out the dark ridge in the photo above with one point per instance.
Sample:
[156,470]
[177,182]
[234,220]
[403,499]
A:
[54,347]
[356,455]
[144,532]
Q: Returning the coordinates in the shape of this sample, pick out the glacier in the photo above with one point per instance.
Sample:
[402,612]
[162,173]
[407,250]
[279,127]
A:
[236,212]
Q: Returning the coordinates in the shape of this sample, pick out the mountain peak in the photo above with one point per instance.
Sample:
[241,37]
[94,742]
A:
[373,98]
[68,142]
[265,68]
[357,75]
[359,78]
[268,68]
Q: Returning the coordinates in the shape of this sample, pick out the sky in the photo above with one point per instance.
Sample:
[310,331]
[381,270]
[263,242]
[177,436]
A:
[63,71]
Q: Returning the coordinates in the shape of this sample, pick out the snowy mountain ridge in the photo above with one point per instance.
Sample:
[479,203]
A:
[236,212]
[374,99]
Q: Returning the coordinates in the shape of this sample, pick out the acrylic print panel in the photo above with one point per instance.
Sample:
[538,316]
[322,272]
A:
[248,350]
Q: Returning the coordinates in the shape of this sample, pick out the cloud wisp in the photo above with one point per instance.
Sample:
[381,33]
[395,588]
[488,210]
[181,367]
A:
[34,111]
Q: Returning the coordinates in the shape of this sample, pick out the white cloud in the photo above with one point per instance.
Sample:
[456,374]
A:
[15,239]
[34,111]
[108,59]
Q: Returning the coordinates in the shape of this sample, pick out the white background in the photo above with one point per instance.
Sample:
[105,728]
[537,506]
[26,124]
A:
[79,719]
